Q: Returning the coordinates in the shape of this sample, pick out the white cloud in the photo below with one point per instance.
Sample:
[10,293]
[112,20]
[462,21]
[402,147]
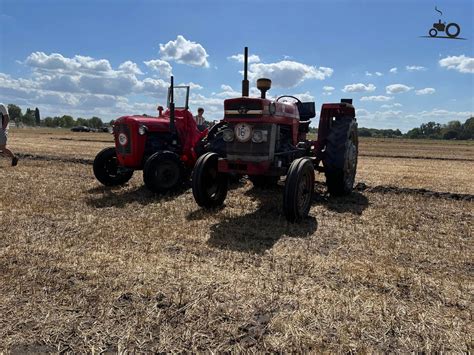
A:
[394,70]
[286,74]
[161,66]
[58,63]
[376,98]
[397,89]
[425,91]
[240,58]
[460,63]
[413,68]
[130,67]
[185,52]
[192,86]
[377,73]
[328,88]
[359,88]
[396,104]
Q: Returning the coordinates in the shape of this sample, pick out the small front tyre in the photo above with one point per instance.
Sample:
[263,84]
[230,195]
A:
[209,186]
[107,170]
[299,187]
[163,172]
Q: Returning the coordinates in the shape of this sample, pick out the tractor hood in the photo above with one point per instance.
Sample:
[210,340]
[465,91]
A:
[153,124]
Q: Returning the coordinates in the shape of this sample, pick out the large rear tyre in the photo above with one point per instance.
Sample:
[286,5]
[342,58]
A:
[107,170]
[163,172]
[299,187]
[262,182]
[209,186]
[340,161]
[456,32]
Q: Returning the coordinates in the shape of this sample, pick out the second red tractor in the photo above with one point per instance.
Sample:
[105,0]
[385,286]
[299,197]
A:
[266,139]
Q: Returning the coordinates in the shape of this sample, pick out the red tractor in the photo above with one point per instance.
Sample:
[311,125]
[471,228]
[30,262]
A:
[164,147]
[267,139]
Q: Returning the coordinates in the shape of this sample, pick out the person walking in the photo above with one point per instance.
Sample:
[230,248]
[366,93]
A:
[4,120]
[200,120]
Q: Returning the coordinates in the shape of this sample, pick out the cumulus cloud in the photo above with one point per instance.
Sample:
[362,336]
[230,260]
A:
[397,89]
[161,66]
[460,63]
[240,58]
[185,52]
[328,88]
[376,98]
[287,74]
[413,68]
[425,91]
[394,70]
[359,88]
[130,67]
[57,62]
[192,86]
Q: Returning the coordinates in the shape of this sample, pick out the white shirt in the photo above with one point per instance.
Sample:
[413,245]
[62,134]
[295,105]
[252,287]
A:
[199,120]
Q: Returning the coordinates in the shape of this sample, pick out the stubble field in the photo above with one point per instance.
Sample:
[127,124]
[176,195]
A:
[85,268]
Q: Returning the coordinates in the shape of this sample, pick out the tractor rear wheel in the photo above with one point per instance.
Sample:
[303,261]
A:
[262,182]
[107,170]
[299,187]
[209,186]
[163,172]
[340,160]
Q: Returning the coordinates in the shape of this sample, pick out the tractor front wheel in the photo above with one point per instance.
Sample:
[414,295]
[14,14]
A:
[299,187]
[209,186]
[107,170]
[163,172]
[340,160]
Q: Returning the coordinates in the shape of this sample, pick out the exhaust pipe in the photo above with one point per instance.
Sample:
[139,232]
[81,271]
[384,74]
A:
[245,82]
[172,124]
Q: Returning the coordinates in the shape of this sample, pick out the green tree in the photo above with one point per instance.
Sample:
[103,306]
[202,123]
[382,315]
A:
[37,117]
[14,112]
[467,129]
[67,121]
[95,122]
[28,118]
[48,122]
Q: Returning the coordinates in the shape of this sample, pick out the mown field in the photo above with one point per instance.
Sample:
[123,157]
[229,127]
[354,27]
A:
[85,268]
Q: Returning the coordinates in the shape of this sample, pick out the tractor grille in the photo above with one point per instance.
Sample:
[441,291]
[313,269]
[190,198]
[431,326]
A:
[250,151]
[127,148]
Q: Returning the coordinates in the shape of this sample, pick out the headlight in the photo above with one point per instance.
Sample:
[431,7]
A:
[142,130]
[228,135]
[259,136]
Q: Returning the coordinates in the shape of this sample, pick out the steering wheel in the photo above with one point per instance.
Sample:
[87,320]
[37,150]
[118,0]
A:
[297,100]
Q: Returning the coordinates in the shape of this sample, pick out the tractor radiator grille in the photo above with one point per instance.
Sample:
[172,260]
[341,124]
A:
[250,151]
[127,148]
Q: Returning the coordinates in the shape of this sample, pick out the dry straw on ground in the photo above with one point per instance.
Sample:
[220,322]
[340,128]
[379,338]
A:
[88,268]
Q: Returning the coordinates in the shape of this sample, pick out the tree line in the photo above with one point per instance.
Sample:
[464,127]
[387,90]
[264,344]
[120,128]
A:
[33,118]
[430,130]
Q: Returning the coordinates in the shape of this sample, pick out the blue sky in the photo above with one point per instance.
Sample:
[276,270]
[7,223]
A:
[110,58]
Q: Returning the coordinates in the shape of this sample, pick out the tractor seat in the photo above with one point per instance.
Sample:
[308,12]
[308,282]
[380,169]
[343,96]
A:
[307,111]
